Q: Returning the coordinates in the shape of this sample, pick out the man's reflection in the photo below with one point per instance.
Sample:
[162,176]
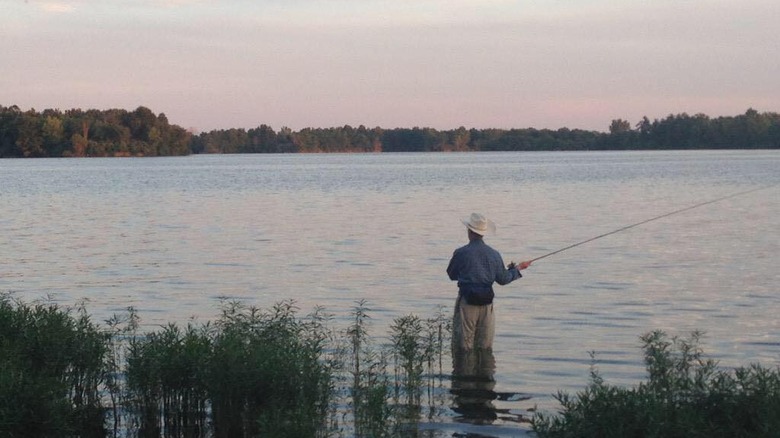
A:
[473,390]
[473,385]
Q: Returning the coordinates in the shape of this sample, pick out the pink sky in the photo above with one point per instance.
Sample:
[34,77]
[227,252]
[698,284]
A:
[401,63]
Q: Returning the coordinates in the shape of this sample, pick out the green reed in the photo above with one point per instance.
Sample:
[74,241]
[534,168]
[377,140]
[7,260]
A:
[121,330]
[51,371]
[166,381]
[686,395]
[369,393]
[266,368]
[255,372]
[417,346]
[411,354]
[386,402]
[251,372]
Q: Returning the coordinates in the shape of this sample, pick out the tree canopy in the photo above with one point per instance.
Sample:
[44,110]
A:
[93,133]
[118,132]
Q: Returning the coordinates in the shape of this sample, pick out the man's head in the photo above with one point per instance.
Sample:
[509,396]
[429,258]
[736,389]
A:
[479,225]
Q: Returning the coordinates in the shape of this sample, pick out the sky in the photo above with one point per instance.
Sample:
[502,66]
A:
[443,64]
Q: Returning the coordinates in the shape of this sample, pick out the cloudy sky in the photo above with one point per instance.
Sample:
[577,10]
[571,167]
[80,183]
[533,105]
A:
[393,63]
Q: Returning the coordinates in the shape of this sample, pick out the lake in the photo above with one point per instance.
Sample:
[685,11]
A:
[172,236]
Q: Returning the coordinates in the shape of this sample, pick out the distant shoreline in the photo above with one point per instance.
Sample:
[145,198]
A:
[141,133]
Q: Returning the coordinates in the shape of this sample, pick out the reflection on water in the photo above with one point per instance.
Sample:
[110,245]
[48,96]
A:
[473,389]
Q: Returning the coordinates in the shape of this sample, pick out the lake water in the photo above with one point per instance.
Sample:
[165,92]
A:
[170,236]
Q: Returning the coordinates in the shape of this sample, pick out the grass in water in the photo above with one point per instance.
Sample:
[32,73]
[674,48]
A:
[252,373]
[274,373]
[686,395]
[52,371]
[369,393]
[166,376]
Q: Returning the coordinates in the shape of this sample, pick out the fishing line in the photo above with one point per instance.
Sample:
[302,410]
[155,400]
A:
[650,220]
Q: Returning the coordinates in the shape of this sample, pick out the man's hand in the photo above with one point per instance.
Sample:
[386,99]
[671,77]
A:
[519,267]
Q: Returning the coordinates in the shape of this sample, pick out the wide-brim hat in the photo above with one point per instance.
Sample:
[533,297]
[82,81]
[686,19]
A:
[479,224]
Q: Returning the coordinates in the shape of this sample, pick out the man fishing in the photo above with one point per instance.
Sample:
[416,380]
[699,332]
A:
[476,266]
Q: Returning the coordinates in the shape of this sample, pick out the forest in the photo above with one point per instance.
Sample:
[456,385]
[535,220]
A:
[141,132]
[90,133]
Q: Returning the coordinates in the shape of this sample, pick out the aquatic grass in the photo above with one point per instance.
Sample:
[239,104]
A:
[51,370]
[121,329]
[383,401]
[418,347]
[264,367]
[86,373]
[411,353]
[686,395]
[372,414]
[256,372]
[252,372]
[438,334]
[165,380]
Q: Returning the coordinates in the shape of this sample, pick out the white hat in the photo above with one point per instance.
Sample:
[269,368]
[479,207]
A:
[478,224]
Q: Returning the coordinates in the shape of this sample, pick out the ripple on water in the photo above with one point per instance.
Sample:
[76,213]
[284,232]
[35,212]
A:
[250,229]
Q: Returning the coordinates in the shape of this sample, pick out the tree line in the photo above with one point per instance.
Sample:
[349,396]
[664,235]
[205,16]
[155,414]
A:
[117,132]
[90,133]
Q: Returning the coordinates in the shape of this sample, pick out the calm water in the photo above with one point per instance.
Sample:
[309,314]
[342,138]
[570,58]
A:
[170,236]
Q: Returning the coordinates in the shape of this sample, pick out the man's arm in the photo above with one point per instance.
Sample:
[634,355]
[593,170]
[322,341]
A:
[452,268]
[512,271]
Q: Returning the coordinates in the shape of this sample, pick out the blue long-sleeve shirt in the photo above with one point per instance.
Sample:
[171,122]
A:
[477,265]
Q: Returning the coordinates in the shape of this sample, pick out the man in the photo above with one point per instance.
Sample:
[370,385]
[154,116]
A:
[476,267]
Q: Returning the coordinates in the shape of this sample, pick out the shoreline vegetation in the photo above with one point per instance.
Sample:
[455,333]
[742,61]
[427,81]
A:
[271,372]
[251,372]
[141,132]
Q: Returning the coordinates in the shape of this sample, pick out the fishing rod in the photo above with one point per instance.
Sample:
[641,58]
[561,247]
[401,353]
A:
[650,220]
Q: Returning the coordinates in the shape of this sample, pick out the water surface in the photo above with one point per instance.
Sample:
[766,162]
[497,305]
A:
[171,236]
